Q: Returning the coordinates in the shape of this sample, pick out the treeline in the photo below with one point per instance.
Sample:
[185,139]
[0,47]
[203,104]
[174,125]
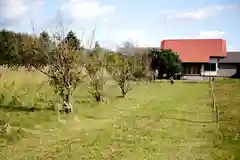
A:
[19,49]
[67,63]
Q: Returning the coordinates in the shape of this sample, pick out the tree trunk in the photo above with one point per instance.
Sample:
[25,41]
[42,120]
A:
[154,75]
[123,91]
[125,94]
[97,96]
[68,108]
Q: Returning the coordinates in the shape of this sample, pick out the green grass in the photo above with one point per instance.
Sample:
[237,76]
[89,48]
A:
[160,121]
[228,101]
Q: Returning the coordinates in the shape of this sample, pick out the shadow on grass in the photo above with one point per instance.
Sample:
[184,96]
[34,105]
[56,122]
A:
[191,82]
[186,120]
[79,99]
[119,96]
[83,101]
[20,108]
[92,117]
[81,96]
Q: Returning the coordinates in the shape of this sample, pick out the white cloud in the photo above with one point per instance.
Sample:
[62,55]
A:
[106,20]
[211,34]
[130,34]
[137,36]
[11,9]
[86,9]
[200,13]
[16,11]
[203,35]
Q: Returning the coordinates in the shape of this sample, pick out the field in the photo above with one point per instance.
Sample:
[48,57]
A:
[160,121]
[228,101]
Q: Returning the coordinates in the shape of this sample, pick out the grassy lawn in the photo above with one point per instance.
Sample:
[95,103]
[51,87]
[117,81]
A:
[160,121]
[228,101]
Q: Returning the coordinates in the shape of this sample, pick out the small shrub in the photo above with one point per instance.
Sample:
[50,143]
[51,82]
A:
[121,72]
[95,66]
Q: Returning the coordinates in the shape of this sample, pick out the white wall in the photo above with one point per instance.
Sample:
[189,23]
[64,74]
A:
[211,73]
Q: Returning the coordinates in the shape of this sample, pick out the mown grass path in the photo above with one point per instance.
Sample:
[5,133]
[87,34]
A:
[160,121]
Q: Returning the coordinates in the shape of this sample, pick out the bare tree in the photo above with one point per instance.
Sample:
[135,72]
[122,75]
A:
[63,66]
[141,59]
[147,60]
[121,70]
[95,66]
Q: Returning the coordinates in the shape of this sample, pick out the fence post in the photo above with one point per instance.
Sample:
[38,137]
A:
[215,107]
[213,95]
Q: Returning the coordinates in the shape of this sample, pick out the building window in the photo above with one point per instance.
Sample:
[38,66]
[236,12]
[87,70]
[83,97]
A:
[210,67]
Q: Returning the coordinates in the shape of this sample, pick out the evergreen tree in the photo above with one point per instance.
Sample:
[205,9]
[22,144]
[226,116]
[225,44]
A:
[73,40]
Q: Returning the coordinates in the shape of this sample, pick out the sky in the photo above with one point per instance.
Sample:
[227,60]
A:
[144,23]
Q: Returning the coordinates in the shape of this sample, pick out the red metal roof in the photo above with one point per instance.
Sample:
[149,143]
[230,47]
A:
[196,50]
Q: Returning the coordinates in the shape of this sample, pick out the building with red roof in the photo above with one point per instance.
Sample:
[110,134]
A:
[203,57]
[196,50]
